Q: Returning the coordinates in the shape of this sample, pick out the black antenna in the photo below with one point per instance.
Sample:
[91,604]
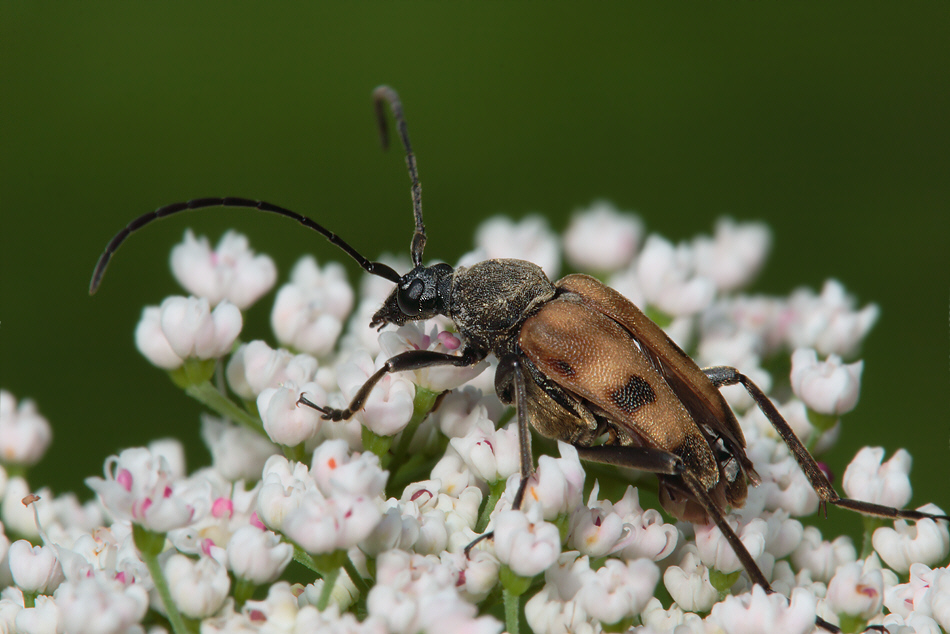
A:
[387,94]
[374,268]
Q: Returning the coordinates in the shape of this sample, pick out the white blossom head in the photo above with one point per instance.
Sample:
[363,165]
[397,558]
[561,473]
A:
[230,271]
[602,239]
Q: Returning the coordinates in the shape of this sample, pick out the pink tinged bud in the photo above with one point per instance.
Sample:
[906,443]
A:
[413,336]
[231,272]
[828,387]
[888,484]
[601,238]
[820,558]
[222,507]
[492,455]
[286,422]
[595,532]
[186,327]
[309,311]
[390,405]
[528,239]
[716,552]
[24,433]
[756,612]
[198,588]
[324,525]
[733,257]
[258,556]
[34,568]
[688,583]
[92,605]
[527,546]
[924,541]
[669,281]
[855,592]
[558,483]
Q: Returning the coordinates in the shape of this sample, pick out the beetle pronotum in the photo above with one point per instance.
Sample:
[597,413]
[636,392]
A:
[579,362]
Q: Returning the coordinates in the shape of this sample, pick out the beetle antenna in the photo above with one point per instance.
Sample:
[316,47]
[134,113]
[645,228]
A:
[374,268]
[387,94]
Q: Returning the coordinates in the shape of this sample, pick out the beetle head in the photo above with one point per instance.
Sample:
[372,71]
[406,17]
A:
[422,293]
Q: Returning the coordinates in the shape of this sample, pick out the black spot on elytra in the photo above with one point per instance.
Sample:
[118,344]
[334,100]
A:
[563,367]
[634,395]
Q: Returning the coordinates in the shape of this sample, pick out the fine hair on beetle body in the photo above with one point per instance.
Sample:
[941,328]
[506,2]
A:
[579,362]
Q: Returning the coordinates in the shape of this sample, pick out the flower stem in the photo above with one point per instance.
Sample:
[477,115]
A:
[421,406]
[355,577]
[207,395]
[150,545]
[512,609]
[871,524]
[495,491]
[329,580]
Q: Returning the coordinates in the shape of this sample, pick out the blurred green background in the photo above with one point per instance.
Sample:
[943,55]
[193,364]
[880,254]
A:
[827,121]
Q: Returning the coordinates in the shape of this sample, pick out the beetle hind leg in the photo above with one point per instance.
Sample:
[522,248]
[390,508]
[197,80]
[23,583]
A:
[722,376]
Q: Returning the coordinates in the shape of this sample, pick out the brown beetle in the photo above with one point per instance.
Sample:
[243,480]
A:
[580,363]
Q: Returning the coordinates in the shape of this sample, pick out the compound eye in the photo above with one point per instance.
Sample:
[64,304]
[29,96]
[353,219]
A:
[409,299]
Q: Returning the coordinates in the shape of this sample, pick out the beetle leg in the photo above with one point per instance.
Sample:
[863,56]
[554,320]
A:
[402,362]
[722,376]
[524,431]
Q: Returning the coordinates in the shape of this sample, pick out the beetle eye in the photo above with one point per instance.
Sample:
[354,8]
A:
[410,298]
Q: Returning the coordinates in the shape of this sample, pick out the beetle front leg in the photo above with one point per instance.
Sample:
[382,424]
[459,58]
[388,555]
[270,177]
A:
[722,376]
[402,362]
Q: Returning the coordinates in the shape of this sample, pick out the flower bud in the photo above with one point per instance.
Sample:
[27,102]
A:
[827,387]
[257,555]
[34,568]
[198,588]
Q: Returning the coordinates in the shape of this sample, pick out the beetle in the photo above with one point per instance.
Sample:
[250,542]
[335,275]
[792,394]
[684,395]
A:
[578,361]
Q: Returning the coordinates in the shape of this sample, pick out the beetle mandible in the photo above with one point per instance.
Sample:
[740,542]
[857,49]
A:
[579,362]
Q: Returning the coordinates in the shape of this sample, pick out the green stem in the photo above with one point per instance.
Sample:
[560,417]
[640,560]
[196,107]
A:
[355,577]
[150,545]
[243,590]
[495,491]
[421,406]
[512,610]
[207,395]
[871,524]
[329,580]
[29,599]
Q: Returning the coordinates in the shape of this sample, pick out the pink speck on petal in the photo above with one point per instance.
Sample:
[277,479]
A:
[124,478]
[449,340]
[168,492]
[206,545]
[256,615]
[222,507]
[418,494]
[461,579]
[120,577]
[256,521]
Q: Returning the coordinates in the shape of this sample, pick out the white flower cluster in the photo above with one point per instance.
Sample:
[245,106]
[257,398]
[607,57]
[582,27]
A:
[382,507]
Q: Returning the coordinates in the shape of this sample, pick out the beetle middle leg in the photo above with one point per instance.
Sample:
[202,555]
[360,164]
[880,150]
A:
[402,362]
[722,376]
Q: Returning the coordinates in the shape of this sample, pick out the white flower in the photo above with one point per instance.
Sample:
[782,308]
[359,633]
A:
[236,452]
[596,531]
[19,519]
[925,541]
[821,558]
[529,239]
[557,484]
[856,592]
[255,366]
[649,536]
[492,455]
[436,378]
[389,407]
[554,608]
[758,612]
[828,323]
[97,605]
[186,327]
[667,276]
[283,487]
[198,588]
[35,569]
[335,470]
[734,255]
[868,480]
[601,238]
[828,387]
[258,555]
[287,422]
[139,487]
[688,583]
[309,311]
[527,546]
[24,433]
[326,524]
[44,618]
[717,553]
[230,272]
[619,589]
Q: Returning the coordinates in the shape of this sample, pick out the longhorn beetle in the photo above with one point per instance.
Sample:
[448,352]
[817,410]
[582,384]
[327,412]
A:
[578,361]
